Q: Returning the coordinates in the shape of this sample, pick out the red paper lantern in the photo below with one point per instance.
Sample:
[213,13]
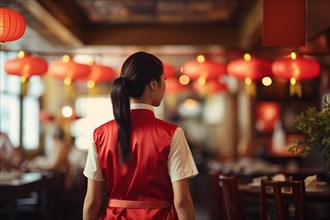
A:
[12,25]
[99,73]
[252,68]
[296,68]
[26,66]
[207,69]
[299,68]
[212,86]
[173,86]
[68,69]
[169,71]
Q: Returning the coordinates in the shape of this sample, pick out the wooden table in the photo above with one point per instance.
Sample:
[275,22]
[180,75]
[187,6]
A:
[20,187]
[311,196]
[317,203]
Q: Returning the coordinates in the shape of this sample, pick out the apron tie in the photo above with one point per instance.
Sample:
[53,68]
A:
[131,204]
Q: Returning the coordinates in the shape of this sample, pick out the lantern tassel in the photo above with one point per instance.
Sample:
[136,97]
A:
[69,90]
[250,89]
[93,91]
[203,91]
[24,86]
[295,89]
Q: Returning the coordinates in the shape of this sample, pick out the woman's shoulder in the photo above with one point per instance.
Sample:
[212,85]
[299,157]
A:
[105,126]
[166,124]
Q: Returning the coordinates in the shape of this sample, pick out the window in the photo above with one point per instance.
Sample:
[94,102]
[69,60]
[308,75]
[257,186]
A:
[94,112]
[11,105]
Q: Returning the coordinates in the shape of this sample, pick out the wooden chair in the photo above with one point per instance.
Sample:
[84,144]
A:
[231,202]
[283,190]
[216,196]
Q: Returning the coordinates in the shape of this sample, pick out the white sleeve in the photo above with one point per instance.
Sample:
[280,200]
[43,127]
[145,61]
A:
[92,169]
[181,164]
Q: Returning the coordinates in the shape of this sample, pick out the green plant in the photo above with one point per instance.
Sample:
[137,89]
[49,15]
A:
[315,125]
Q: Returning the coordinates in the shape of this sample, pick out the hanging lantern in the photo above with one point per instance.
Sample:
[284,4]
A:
[209,87]
[249,69]
[26,66]
[12,25]
[169,71]
[214,86]
[98,74]
[295,68]
[173,86]
[203,68]
[68,71]
[173,89]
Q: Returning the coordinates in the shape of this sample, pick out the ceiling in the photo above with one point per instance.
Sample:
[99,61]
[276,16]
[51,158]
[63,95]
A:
[220,27]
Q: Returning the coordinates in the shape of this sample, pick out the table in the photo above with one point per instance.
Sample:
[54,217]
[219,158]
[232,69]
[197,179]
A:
[317,203]
[311,196]
[20,187]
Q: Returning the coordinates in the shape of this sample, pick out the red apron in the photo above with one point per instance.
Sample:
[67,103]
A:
[140,189]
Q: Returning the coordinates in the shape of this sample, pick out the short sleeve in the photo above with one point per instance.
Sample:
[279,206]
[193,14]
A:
[181,164]
[92,169]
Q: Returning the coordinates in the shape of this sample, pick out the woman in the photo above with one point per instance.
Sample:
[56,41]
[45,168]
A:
[145,162]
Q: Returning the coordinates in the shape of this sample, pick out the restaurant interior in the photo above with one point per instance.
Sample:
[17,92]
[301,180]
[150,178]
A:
[239,75]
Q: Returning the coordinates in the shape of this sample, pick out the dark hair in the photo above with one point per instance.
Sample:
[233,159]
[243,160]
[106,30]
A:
[137,71]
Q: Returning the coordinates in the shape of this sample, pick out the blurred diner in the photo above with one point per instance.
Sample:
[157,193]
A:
[11,158]
[56,157]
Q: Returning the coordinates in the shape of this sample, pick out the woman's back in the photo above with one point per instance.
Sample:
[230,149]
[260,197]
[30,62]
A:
[145,177]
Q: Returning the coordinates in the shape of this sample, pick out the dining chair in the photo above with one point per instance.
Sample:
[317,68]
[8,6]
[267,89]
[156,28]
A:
[281,191]
[232,207]
[215,196]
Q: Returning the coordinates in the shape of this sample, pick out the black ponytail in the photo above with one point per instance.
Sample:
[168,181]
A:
[121,111]
[137,71]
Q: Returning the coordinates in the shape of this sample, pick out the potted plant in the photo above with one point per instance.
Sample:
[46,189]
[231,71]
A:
[315,125]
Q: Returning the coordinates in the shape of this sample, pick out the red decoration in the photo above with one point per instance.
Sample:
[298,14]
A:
[208,69]
[99,73]
[45,116]
[268,113]
[169,71]
[12,25]
[284,150]
[299,68]
[70,69]
[27,66]
[214,86]
[254,68]
[174,86]
[284,23]
[210,87]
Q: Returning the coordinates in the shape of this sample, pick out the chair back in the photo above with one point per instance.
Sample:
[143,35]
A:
[230,197]
[280,191]
[215,196]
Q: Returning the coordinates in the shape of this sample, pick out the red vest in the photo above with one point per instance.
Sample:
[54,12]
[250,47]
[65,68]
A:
[145,177]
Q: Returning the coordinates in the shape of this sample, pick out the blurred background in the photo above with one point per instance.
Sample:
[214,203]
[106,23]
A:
[236,121]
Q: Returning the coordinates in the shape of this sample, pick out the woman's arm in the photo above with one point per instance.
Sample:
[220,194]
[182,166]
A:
[93,200]
[182,200]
